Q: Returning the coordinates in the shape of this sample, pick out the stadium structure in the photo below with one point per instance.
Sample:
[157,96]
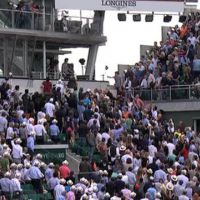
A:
[31,41]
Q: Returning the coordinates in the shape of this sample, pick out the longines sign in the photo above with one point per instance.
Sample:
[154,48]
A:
[124,5]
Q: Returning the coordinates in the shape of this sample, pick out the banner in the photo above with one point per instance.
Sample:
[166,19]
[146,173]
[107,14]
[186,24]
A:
[122,5]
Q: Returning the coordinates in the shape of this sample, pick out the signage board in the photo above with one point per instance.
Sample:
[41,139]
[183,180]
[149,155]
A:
[122,5]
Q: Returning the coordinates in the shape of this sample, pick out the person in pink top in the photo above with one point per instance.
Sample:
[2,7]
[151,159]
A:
[64,170]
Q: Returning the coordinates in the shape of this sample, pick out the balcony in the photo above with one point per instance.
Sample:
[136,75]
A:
[69,30]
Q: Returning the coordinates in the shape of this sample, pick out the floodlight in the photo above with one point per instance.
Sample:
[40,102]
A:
[137,18]
[149,18]
[182,18]
[121,17]
[167,18]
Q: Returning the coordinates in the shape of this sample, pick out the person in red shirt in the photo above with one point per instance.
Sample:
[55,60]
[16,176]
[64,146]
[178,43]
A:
[47,87]
[64,170]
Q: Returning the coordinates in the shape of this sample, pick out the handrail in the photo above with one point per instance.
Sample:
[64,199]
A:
[42,13]
[167,93]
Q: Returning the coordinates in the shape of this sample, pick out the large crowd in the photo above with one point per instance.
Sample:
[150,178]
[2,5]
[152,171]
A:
[142,156]
[175,61]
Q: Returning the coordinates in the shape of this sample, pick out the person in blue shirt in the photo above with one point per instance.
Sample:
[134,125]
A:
[54,131]
[30,143]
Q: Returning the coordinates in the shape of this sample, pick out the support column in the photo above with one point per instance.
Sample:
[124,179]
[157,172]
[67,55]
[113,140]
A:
[5,58]
[44,60]
[44,16]
[92,56]
[25,55]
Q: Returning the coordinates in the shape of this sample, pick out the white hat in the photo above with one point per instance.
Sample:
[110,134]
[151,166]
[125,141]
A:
[149,171]
[151,178]
[28,165]
[136,130]
[170,186]
[100,172]
[62,181]
[170,170]
[80,189]
[51,99]
[42,164]
[19,166]
[133,194]
[54,121]
[174,178]
[31,120]
[107,195]
[5,145]
[36,163]
[88,90]
[120,175]
[158,195]
[70,182]
[18,141]
[7,174]
[13,165]
[105,172]
[73,187]
[24,123]
[65,162]
[51,164]
[39,156]
[184,172]
[95,189]
[122,148]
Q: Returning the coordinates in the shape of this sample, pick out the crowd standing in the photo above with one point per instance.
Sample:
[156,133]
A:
[174,61]
[142,155]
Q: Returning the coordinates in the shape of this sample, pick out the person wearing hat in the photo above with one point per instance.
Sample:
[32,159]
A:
[53,181]
[54,131]
[119,184]
[4,162]
[183,177]
[3,124]
[23,133]
[50,108]
[5,184]
[30,143]
[49,171]
[59,189]
[71,193]
[64,170]
[16,187]
[36,176]
[17,151]
[40,132]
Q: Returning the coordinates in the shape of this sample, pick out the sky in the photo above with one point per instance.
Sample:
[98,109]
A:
[123,43]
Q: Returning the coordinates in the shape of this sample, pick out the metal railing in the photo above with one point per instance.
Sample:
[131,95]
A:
[45,22]
[169,93]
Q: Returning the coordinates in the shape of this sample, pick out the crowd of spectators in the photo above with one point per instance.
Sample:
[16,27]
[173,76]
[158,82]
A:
[175,61]
[142,155]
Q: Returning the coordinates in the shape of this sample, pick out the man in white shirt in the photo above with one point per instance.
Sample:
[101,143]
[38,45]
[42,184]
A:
[16,187]
[50,108]
[192,39]
[17,151]
[59,189]
[3,124]
[152,150]
[40,132]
